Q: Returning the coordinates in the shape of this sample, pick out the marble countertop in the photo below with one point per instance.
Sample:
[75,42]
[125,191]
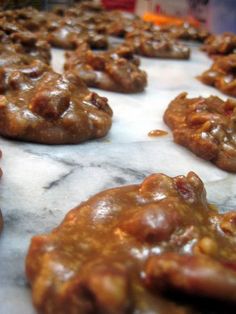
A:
[41,183]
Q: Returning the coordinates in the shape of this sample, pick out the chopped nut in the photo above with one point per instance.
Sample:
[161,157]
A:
[3,101]
[207,246]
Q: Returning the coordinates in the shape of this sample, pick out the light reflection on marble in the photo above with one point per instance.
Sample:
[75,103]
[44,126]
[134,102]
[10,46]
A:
[41,183]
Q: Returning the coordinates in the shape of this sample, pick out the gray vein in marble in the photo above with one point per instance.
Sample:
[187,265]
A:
[56,182]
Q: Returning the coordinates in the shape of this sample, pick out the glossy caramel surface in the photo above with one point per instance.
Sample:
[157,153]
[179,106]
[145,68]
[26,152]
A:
[220,44]
[156,44]
[206,126]
[120,250]
[115,70]
[221,74]
[186,31]
[39,105]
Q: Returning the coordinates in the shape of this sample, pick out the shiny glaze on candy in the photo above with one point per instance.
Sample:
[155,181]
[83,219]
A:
[115,70]
[220,44]
[221,75]
[206,126]
[155,44]
[42,106]
[102,257]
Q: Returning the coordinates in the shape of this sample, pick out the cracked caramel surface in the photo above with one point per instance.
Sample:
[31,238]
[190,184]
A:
[122,249]
[39,105]
[206,126]
[114,70]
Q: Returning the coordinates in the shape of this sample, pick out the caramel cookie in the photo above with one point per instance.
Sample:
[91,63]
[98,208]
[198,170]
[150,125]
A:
[120,250]
[13,54]
[30,44]
[39,105]
[84,7]
[119,24]
[221,44]
[71,35]
[115,70]
[29,18]
[156,45]
[186,32]
[90,19]
[206,126]
[222,75]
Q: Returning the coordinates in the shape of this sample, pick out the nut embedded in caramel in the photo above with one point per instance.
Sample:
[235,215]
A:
[42,106]
[220,44]
[114,70]
[206,126]
[221,75]
[155,44]
[120,250]
[186,32]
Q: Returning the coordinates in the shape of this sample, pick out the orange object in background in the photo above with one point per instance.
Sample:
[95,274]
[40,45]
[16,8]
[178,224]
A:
[161,19]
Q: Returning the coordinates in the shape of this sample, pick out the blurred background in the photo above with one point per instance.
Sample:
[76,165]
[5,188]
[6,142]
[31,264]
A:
[216,15]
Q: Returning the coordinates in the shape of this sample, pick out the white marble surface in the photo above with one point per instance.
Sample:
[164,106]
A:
[41,183]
